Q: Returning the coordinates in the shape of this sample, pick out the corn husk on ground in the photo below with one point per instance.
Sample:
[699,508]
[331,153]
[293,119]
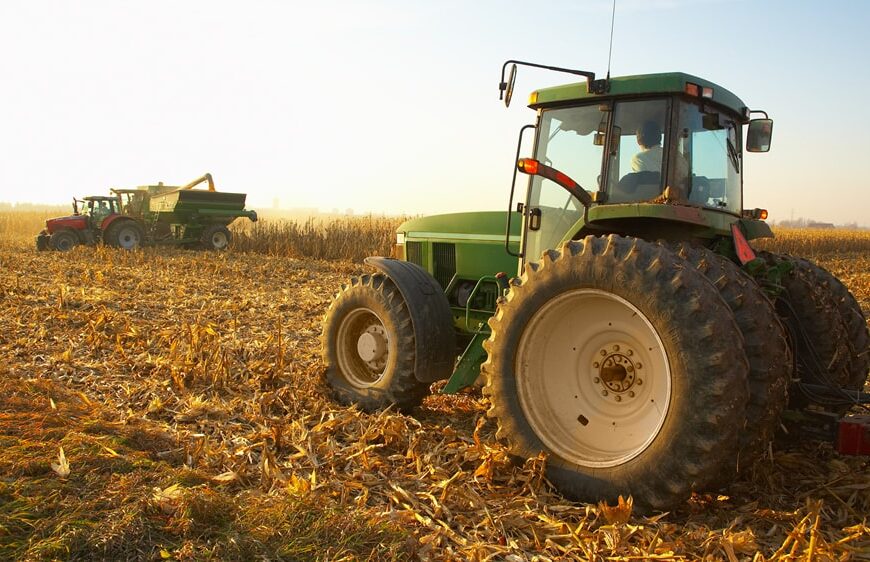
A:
[166,404]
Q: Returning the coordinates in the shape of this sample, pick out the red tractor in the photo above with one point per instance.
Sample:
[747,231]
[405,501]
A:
[100,219]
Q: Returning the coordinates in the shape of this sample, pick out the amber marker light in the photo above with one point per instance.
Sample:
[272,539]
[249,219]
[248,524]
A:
[692,89]
[762,214]
[528,166]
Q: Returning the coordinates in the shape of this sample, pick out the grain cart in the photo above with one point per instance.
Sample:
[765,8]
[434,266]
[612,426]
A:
[621,321]
[152,214]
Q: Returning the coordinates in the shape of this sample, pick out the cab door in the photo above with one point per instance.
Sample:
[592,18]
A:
[570,140]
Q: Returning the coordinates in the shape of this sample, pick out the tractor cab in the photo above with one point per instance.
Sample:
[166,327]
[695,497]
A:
[98,208]
[660,156]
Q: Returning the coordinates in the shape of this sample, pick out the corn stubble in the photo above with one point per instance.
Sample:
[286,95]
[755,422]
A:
[170,404]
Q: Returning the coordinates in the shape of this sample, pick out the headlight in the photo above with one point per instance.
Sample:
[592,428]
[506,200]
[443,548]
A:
[400,238]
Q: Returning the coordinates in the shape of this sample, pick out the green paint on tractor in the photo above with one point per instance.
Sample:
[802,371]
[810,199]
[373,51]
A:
[619,315]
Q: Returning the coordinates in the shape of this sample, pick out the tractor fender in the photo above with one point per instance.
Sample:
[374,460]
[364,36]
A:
[754,228]
[431,318]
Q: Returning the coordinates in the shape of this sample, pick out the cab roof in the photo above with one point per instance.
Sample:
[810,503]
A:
[99,198]
[640,84]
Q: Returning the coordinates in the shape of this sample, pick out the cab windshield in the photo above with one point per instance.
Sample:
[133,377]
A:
[652,145]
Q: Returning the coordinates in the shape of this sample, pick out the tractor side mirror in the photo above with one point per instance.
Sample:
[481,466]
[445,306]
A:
[758,135]
[508,87]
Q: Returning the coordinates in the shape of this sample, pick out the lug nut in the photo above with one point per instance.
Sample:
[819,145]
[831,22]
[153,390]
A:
[596,364]
[618,398]
[615,348]
[603,352]
[629,353]
[639,382]
[639,365]
[631,394]
[596,380]
[603,393]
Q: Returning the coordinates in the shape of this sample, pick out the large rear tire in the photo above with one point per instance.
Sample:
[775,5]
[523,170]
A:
[817,332]
[125,234]
[858,336]
[624,365]
[368,346]
[771,365]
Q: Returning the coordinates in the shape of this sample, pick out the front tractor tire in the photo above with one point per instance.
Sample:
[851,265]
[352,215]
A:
[63,240]
[368,346]
[625,366]
[216,237]
[126,234]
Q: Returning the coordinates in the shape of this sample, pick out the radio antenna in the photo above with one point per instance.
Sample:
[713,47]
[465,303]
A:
[610,52]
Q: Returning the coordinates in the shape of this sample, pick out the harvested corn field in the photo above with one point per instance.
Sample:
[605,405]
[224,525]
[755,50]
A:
[171,404]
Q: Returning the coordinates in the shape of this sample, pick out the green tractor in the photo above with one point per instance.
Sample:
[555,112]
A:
[618,317]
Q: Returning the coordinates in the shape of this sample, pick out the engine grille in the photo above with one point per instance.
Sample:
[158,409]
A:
[445,262]
[414,252]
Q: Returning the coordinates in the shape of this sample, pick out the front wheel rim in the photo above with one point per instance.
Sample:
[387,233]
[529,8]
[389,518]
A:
[363,348]
[593,378]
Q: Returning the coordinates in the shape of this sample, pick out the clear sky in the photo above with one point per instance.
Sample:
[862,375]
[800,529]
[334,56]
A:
[392,105]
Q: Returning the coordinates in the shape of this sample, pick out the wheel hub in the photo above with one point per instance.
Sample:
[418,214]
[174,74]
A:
[372,346]
[617,372]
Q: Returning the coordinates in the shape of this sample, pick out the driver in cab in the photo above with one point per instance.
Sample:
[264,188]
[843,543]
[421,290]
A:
[649,159]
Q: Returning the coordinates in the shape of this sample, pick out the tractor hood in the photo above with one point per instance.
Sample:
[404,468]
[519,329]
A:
[75,222]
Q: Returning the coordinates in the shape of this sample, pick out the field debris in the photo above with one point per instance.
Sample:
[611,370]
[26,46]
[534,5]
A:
[165,404]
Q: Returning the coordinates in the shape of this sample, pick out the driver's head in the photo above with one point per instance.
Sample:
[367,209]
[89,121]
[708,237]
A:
[650,134]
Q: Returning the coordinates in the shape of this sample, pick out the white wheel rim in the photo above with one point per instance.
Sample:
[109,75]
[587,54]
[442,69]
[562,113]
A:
[593,378]
[128,238]
[363,348]
[219,240]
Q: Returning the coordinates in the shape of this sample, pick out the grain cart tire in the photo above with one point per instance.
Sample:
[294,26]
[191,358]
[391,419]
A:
[125,234]
[817,331]
[369,346]
[853,320]
[216,237]
[624,365]
[770,361]
[63,240]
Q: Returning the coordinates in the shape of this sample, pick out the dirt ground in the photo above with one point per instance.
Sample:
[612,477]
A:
[166,404]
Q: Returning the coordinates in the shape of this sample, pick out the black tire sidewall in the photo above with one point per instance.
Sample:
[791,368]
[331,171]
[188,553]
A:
[390,388]
[210,232]
[113,233]
[59,236]
[678,436]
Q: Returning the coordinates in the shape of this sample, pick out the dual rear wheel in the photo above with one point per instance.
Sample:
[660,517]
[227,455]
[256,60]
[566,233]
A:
[622,364]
